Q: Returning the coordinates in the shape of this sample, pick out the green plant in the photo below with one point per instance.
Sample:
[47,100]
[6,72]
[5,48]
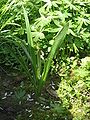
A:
[32,51]
[74,89]
[20,95]
[46,19]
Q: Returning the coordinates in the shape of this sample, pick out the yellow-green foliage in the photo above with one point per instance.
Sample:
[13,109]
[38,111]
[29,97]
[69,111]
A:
[74,91]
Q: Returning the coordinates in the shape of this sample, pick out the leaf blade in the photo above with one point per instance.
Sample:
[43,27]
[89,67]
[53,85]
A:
[57,43]
[31,49]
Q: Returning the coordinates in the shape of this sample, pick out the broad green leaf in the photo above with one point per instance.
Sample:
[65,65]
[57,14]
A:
[57,43]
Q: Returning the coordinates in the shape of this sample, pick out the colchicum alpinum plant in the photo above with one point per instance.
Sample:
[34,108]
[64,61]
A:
[39,71]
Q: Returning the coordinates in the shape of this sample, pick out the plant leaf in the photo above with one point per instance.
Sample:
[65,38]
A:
[28,29]
[22,62]
[38,64]
[4,24]
[57,43]
[31,50]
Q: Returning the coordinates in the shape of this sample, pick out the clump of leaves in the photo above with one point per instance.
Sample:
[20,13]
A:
[33,53]
[74,90]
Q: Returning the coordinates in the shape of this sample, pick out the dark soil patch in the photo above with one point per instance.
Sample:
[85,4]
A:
[26,107]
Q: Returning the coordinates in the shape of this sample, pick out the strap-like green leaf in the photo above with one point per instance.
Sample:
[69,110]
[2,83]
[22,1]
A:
[30,43]
[28,29]
[38,64]
[22,62]
[57,43]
